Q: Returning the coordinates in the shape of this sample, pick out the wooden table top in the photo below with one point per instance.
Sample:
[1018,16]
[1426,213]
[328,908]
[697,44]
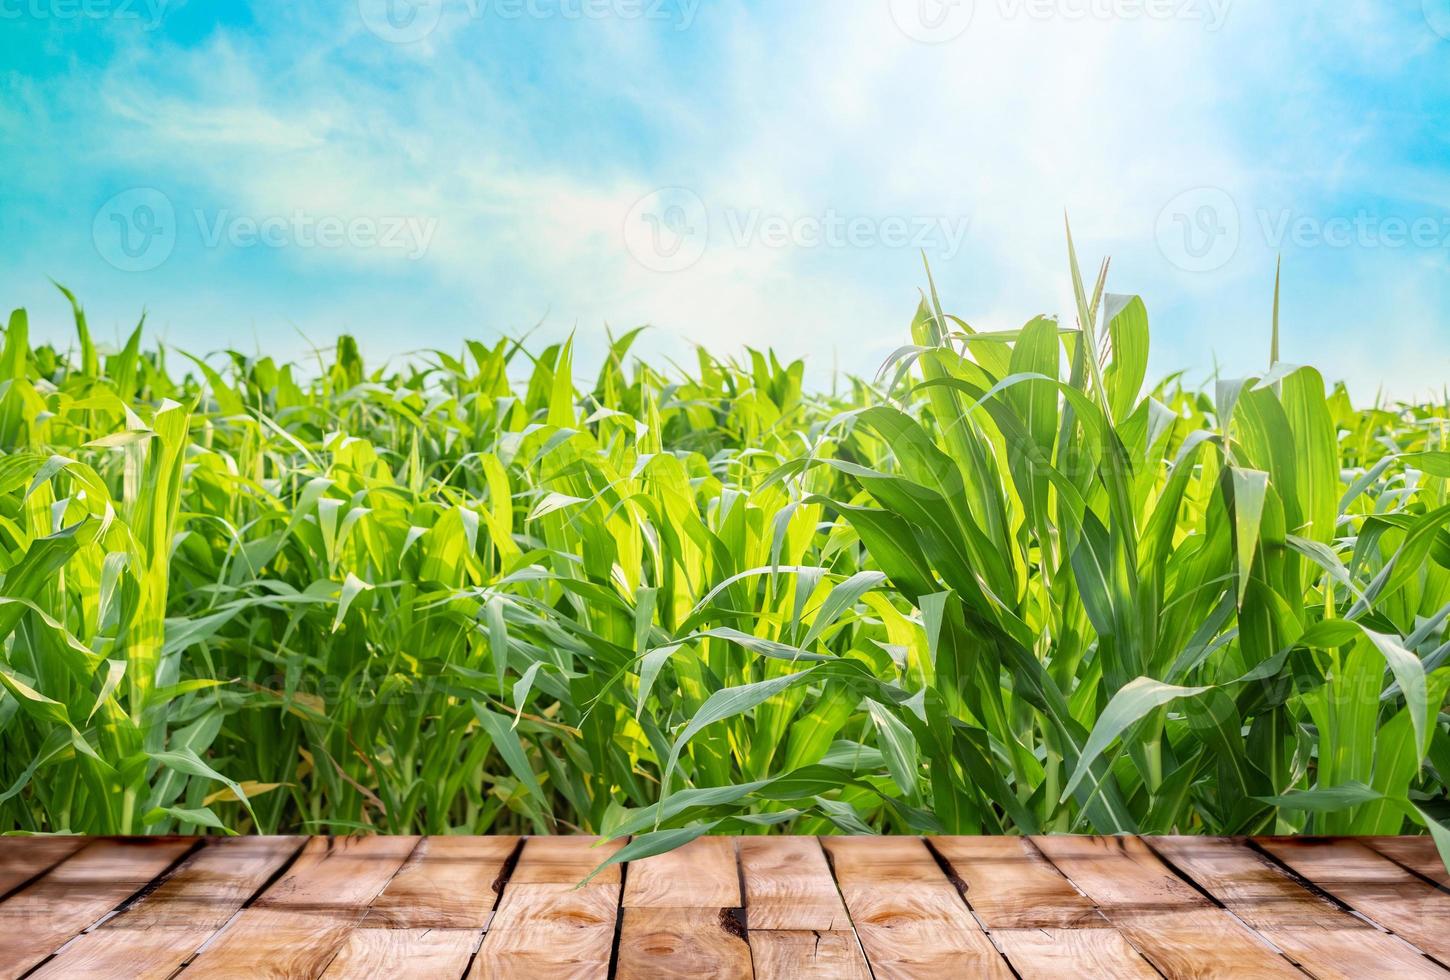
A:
[767,907]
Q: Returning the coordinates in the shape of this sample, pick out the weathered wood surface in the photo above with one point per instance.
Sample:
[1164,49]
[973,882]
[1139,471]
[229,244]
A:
[854,908]
[1042,924]
[798,925]
[1374,886]
[1176,927]
[546,924]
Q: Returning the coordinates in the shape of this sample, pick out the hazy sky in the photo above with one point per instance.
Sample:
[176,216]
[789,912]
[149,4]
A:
[733,172]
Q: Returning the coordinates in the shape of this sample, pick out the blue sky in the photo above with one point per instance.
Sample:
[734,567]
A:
[267,175]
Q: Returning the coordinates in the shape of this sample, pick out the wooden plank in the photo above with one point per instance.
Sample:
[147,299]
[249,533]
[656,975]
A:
[300,923]
[565,861]
[41,917]
[23,858]
[155,935]
[1311,930]
[1179,931]
[431,917]
[550,930]
[1372,885]
[274,943]
[129,953]
[1039,921]
[703,874]
[401,908]
[800,954]
[546,925]
[447,883]
[333,873]
[1053,953]
[788,885]
[911,920]
[1416,853]
[404,954]
[682,942]
[681,915]
[1250,886]
[211,885]
[1010,885]
[799,926]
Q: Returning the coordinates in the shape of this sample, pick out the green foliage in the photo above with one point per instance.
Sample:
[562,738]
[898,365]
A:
[1003,589]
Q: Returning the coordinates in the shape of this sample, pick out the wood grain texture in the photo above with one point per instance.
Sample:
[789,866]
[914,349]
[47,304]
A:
[799,926]
[160,931]
[670,943]
[211,885]
[1051,954]
[1250,886]
[54,908]
[274,943]
[780,954]
[1416,853]
[1309,929]
[1374,886]
[547,926]
[911,920]
[1178,930]
[1043,925]
[556,931]
[1010,885]
[338,873]
[404,954]
[565,861]
[23,858]
[858,908]
[447,883]
[788,885]
[153,954]
[300,923]
[701,875]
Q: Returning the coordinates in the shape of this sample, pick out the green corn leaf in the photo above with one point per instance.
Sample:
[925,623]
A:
[1129,706]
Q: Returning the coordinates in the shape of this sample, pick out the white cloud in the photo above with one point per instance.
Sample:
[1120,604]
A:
[788,112]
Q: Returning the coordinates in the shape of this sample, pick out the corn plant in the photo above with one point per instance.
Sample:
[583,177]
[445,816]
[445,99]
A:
[1007,586]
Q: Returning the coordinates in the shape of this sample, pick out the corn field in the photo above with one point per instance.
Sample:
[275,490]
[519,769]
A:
[1007,586]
